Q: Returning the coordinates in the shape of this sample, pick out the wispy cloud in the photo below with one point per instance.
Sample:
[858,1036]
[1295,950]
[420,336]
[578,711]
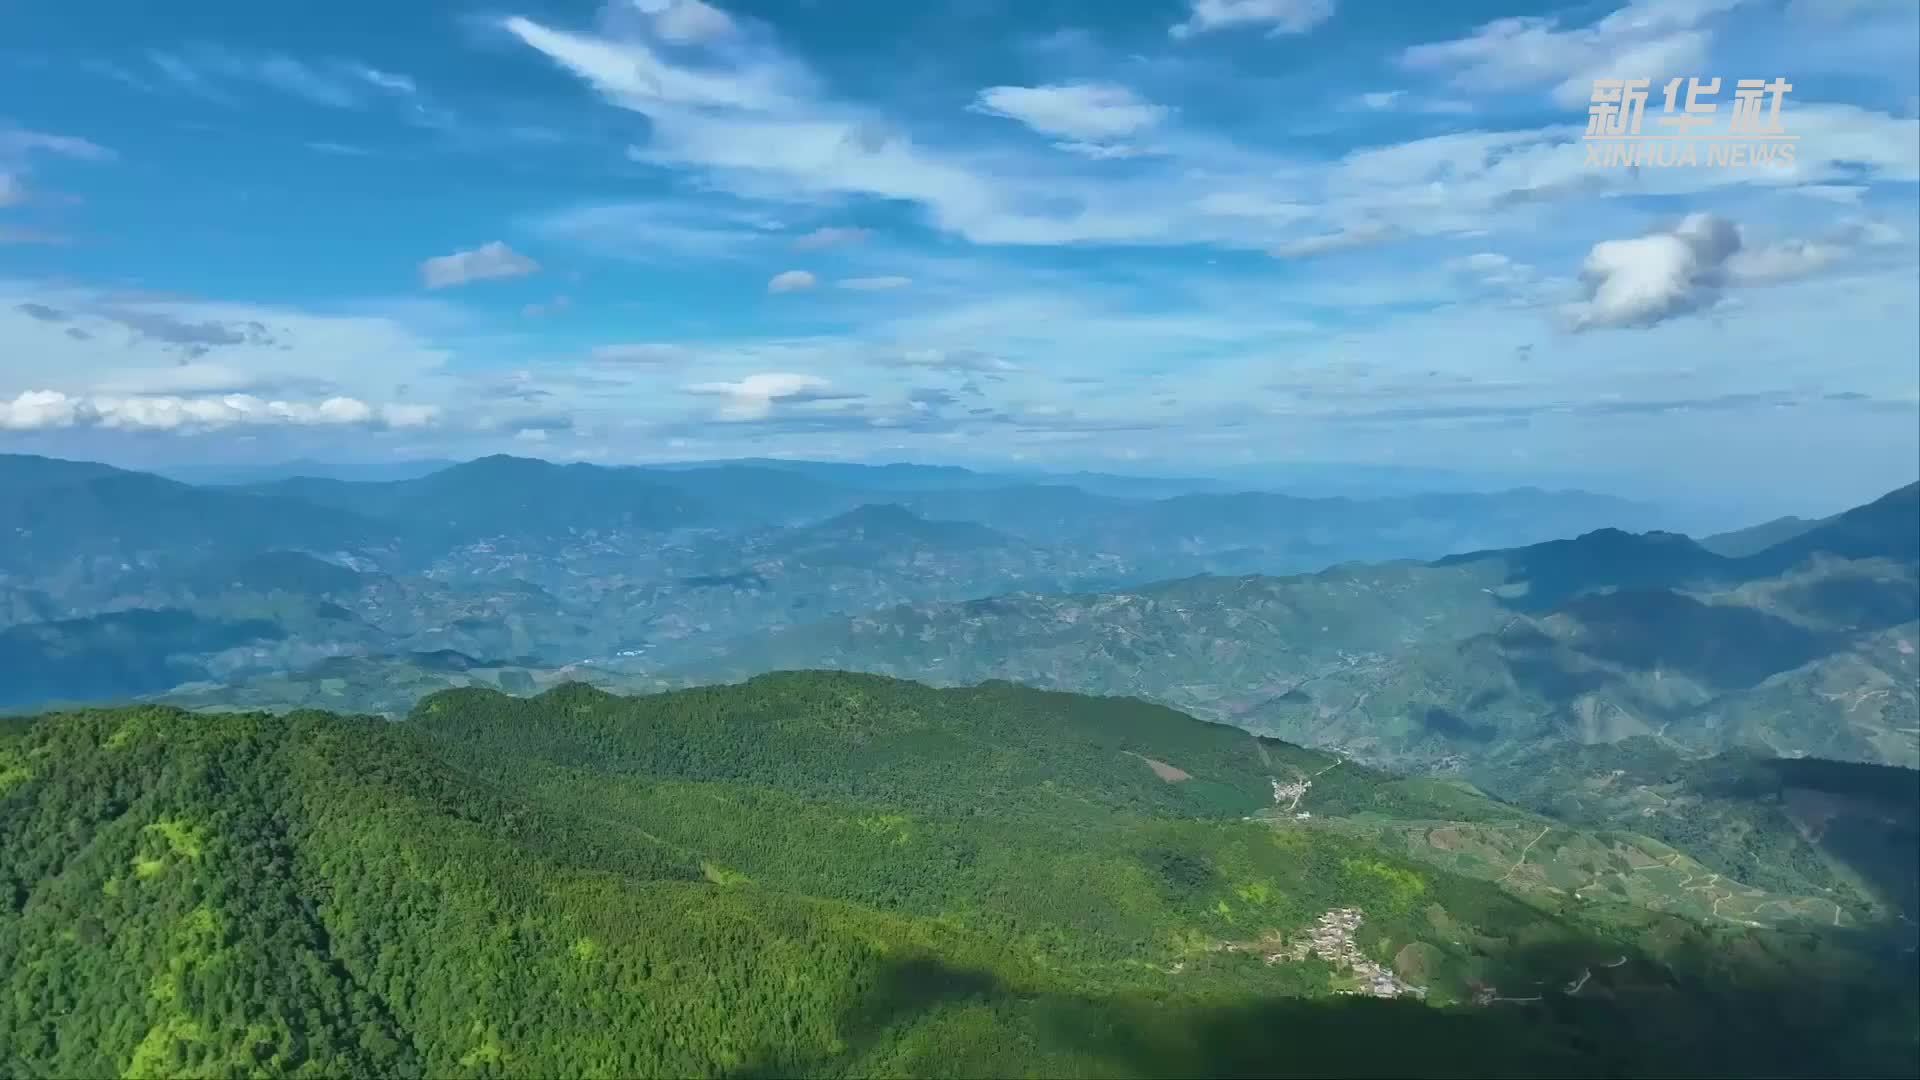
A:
[488,262]
[35,410]
[754,397]
[1276,16]
[830,237]
[792,281]
[1096,119]
[875,284]
[1650,39]
[208,70]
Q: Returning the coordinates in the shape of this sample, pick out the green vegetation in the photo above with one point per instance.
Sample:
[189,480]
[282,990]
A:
[823,874]
[1808,648]
[1845,832]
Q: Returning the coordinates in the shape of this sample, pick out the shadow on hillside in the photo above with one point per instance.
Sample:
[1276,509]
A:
[1722,646]
[1865,816]
[1746,1010]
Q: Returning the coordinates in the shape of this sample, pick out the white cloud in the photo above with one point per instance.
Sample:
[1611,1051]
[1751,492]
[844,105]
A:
[91,344]
[334,84]
[386,80]
[688,21]
[1844,194]
[302,81]
[1358,236]
[1845,140]
[967,360]
[648,354]
[1649,279]
[792,281]
[830,237]
[1086,116]
[552,307]
[409,416]
[875,284]
[486,262]
[1782,262]
[1645,280]
[1493,269]
[18,143]
[193,377]
[1651,39]
[753,397]
[36,410]
[1402,101]
[45,409]
[1106,151]
[630,72]
[1788,260]
[748,122]
[656,230]
[1280,16]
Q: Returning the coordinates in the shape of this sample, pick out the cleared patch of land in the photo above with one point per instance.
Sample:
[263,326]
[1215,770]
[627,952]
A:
[1170,773]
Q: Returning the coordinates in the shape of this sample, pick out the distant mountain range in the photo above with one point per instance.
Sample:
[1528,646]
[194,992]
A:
[341,593]
[522,563]
[1805,647]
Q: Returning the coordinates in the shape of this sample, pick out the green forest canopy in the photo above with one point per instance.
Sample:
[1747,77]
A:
[818,874]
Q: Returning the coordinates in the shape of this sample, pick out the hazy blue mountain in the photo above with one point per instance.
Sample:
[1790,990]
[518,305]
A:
[1753,539]
[1888,527]
[115,656]
[852,476]
[276,571]
[505,496]
[364,472]
[750,494]
[530,565]
[73,522]
[1542,576]
[1472,657]
[885,525]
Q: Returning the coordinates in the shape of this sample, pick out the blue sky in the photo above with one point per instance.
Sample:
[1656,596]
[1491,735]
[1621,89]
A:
[1152,234]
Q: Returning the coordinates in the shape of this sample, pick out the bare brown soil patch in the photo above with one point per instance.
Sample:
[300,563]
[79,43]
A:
[1164,771]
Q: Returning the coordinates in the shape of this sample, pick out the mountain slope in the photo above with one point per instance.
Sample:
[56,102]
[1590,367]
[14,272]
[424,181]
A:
[708,884]
[1886,528]
[1754,539]
[1473,657]
[62,517]
[508,496]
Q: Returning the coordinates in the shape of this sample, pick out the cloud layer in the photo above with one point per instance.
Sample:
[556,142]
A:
[35,410]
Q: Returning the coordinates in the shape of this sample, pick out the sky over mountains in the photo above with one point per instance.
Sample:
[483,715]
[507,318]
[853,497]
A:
[1065,232]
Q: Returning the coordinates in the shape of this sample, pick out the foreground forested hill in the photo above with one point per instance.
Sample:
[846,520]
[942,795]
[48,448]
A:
[827,874]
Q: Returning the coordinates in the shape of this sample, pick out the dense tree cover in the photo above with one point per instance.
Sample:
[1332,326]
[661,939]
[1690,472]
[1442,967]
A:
[807,874]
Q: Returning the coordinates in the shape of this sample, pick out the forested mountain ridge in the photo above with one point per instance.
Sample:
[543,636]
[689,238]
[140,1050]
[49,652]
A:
[821,874]
[1809,647]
